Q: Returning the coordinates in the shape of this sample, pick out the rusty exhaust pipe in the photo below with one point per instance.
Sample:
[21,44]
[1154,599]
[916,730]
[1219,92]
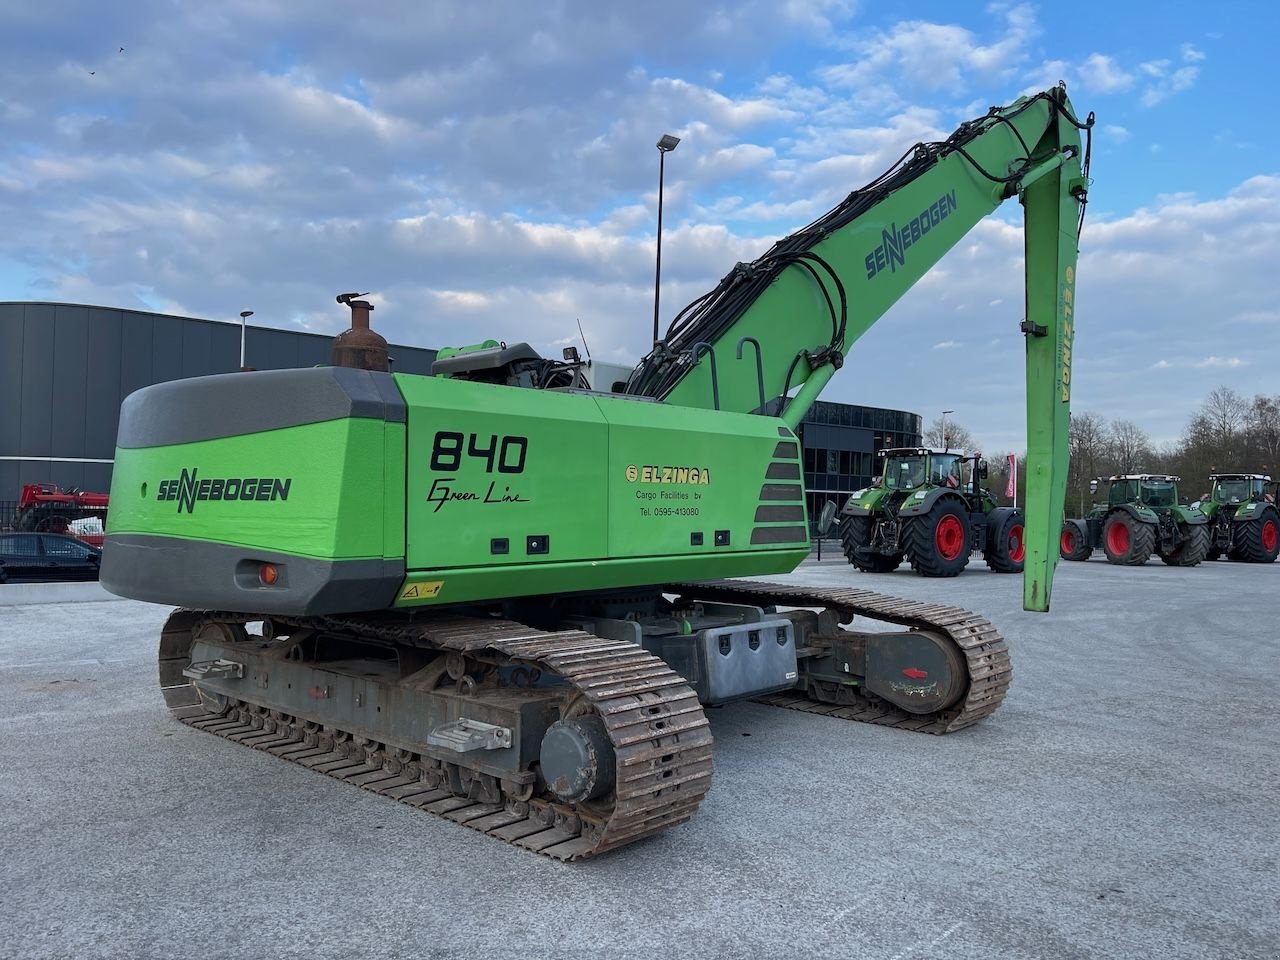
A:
[360,347]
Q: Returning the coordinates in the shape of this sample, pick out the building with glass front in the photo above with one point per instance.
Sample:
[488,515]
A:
[841,441]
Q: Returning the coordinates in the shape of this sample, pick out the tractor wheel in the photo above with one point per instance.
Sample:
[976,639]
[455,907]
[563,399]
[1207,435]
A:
[855,537]
[4,577]
[1128,541]
[1259,540]
[1191,551]
[1008,551]
[52,523]
[938,542]
[1072,545]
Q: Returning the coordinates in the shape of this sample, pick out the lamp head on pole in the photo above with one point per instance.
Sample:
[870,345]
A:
[668,143]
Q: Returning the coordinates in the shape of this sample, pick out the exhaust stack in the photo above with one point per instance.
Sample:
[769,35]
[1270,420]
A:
[360,347]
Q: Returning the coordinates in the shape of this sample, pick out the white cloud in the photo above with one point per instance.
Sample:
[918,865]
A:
[734,114]
[1101,74]
[1115,132]
[733,160]
[1249,317]
[1046,75]
[1165,83]
[1206,363]
[946,345]
[931,56]
[820,16]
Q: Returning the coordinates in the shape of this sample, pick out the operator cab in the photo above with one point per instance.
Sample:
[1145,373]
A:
[1231,488]
[906,468]
[1152,489]
[517,365]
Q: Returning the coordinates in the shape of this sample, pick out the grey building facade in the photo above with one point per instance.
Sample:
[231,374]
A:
[841,442]
[65,369]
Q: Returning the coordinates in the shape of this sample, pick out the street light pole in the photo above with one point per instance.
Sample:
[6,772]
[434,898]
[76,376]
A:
[665,146]
[244,315]
[945,445]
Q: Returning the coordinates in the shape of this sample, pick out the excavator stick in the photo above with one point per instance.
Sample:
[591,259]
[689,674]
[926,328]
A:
[1053,205]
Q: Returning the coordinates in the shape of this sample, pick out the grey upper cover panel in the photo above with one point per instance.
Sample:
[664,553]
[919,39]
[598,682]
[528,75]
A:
[231,404]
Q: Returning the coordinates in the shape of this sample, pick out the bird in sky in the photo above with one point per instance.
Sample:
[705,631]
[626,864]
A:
[93,73]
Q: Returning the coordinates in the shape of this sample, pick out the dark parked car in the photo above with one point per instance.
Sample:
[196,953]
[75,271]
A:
[46,556]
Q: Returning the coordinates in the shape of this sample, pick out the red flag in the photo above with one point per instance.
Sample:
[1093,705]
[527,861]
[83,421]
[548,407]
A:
[1011,467]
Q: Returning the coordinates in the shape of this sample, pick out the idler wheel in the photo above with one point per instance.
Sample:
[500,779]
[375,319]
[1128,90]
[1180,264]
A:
[577,759]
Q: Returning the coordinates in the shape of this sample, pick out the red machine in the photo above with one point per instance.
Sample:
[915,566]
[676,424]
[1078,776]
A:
[47,507]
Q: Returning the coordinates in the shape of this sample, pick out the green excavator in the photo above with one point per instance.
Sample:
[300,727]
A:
[500,596]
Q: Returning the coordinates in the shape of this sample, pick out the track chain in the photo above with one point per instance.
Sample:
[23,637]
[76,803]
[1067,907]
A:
[660,736]
[984,649]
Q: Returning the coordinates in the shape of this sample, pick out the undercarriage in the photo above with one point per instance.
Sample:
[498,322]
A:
[578,727]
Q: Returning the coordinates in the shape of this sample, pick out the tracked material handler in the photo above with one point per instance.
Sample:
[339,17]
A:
[922,508]
[494,594]
[1244,524]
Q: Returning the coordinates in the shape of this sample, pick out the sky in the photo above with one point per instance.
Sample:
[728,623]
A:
[488,170]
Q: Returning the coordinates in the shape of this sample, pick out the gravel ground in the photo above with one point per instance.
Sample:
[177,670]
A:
[1122,803]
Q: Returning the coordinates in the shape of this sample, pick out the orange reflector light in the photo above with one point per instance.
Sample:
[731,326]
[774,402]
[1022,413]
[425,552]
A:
[268,574]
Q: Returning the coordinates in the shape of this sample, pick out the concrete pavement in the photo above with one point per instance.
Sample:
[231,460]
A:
[1122,803]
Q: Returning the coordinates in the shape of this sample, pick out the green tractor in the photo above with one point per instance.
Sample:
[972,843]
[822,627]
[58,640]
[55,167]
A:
[920,508]
[1243,522]
[1142,516]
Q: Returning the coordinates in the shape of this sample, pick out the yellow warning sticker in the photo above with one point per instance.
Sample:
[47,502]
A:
[422,591]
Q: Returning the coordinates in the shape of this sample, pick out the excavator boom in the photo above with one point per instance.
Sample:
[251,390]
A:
[772,333]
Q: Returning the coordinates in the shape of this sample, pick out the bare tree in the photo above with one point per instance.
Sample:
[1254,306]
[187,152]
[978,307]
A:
[1088,442]
[1129,447]
[1227,433]
[956,438]
[1215,438]
[1262,428]
[997,482]
[1224,412]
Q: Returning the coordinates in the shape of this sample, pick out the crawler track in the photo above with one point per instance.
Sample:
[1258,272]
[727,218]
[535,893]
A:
[659,734]
[984,649]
